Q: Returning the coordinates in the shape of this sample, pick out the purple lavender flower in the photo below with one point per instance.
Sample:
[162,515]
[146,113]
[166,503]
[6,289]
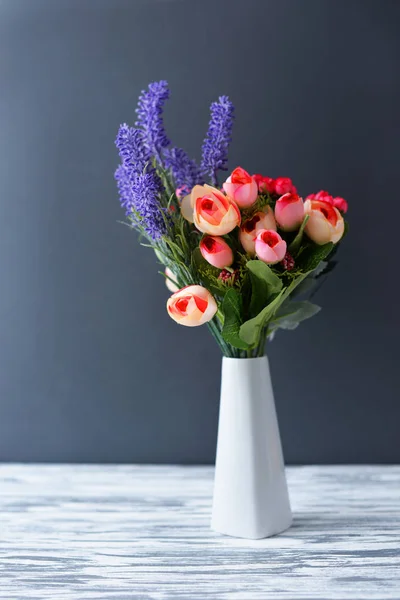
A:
[139,197]
[123,177]
[150,117]
[138,183]
[131,148]
[145,201]
[216,144]
[185,171]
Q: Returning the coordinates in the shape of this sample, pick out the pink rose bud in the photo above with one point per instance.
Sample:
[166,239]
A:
[266,185]
[325,223]
[341,204]
[289,212]
[263,219]
[284,185]
[322,195]
[338,202]
[170,279]
[213,212]
[241,187]
[192,306]
[270,247]
[216,251]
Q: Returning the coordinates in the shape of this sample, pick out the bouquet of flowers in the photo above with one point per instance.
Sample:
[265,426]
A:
[243,258]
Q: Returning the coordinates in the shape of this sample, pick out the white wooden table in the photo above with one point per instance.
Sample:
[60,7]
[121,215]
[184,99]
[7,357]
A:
[77,532]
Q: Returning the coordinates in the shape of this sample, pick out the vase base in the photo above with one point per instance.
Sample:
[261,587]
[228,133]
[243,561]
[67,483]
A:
[252,535]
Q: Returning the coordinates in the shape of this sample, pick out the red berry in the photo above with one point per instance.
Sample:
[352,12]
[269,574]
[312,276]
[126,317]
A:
[288,262]
[226,276]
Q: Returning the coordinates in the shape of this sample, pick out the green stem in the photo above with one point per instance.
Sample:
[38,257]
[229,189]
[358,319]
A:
[227,348]
[261,343]
[214,333]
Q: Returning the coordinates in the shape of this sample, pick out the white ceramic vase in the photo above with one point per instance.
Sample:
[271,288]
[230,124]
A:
[250,491]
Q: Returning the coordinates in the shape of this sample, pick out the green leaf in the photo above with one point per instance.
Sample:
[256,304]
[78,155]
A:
[295,284]
[197,258]
[232,306]
[264,284]
[295,245]
[250,330]
[328,268]
[200,264]
[310,284]
[175,249]
[290,314]
[312,255]
[263,272]
[320,269]
[306,286]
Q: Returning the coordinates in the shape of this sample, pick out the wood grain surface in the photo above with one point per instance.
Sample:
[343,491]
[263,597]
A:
[80,532]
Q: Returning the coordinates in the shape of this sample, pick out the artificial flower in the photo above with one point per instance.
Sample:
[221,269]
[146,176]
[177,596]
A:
[338,202]
[216,251]
[341,204]
[138,183]
[150,117]
[132,150]
[192,306]
[266,185]
[170,280]
[219,134]
[321,195]
[185,171]
[263,219]
[284,185]
[241,187]
[187,208]
[200,219]
[213,212]
[289,212]
[270,247]
[325,223]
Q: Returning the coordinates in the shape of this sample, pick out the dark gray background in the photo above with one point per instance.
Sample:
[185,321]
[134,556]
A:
[91,366]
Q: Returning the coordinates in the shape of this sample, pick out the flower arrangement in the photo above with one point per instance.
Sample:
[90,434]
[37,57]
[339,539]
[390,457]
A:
[243,258]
